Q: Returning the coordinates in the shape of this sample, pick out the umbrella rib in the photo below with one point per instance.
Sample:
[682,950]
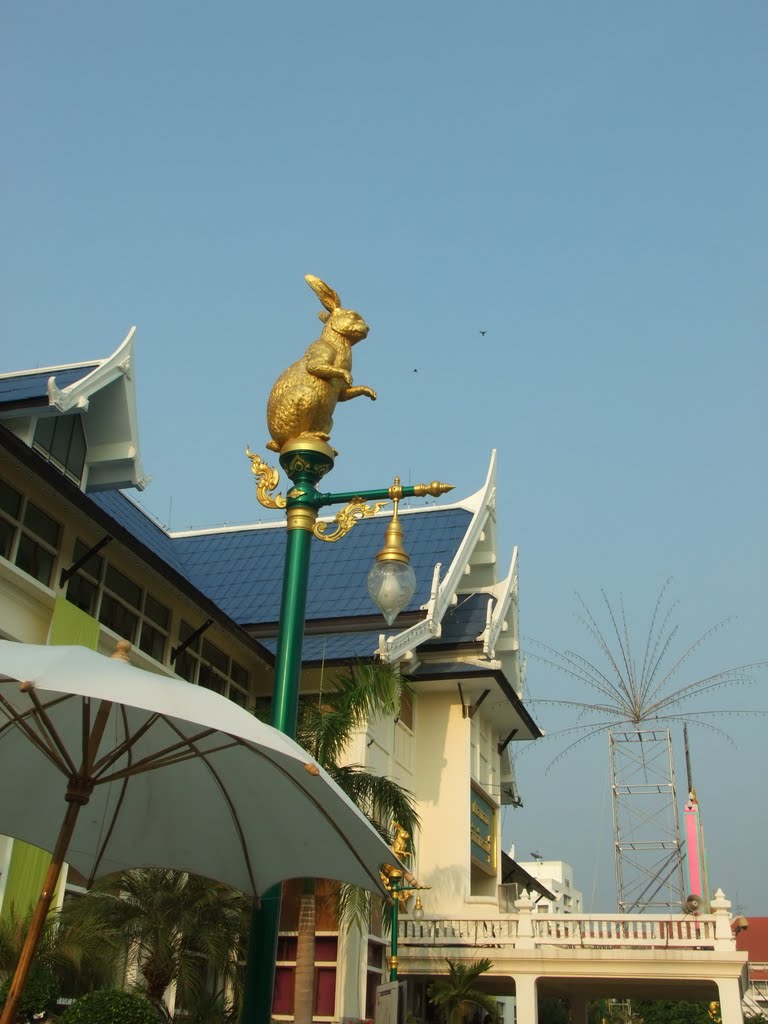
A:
[86,729]
[103,845]
[236,820]
[40,742]
[153,762]
[47,725]
[109,759]
[194,752]
[331,821]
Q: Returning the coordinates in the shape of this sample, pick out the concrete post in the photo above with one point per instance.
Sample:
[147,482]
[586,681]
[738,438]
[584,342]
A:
[729,990]
[526,999]
[721,908]
[524,907]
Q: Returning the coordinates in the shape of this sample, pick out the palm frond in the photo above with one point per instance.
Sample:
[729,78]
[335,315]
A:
[378,797]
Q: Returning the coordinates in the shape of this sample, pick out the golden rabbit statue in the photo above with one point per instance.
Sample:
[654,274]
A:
[303,398]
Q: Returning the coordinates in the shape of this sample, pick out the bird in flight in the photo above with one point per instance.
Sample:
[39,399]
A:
[483,332]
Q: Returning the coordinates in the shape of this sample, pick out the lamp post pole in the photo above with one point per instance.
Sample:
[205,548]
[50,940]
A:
[305,462]
[396,877]
[395,885]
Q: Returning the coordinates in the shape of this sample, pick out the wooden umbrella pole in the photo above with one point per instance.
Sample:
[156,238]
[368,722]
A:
[32,939]
[78,794]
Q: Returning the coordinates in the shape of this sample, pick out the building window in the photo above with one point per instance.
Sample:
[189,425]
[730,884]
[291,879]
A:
[325,991]
[374,975]
[28,536]
[108,595]
[405,714]
[62,440]
[326,952]
[282,1001]
[205,664]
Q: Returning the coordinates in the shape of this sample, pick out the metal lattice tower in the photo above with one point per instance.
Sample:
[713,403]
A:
[649,855]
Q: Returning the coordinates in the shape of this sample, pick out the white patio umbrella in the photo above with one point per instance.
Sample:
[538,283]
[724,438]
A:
[112,767]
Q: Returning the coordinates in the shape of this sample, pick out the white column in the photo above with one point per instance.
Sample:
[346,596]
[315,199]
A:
[730,1000]
[721,908]
[526,999]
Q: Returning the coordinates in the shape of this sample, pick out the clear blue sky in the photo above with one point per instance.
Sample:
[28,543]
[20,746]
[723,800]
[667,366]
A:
[584,181]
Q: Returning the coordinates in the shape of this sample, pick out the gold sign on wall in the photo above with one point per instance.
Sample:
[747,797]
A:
[482,831]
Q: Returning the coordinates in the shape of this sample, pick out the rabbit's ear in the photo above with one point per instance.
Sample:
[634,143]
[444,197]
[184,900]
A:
[324,292]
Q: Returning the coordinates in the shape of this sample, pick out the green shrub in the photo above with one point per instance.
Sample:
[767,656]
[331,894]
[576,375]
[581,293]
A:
[39,995]
[110,1008]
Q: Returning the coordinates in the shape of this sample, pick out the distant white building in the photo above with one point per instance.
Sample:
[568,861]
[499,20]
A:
[557,876]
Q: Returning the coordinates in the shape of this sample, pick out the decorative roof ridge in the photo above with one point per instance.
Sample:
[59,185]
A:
[52,370]
[78,393]
[443,595]
[210,531]
[505,591]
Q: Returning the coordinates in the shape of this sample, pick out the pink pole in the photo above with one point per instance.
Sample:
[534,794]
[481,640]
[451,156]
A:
[694,847]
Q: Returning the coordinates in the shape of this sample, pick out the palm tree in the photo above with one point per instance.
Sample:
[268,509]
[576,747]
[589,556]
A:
[177,927]
[326,725]
[71,950]
[456,995]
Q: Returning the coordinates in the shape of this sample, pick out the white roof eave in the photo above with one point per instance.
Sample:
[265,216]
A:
[119,464]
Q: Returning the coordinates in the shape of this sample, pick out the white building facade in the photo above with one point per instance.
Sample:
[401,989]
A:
[557,876]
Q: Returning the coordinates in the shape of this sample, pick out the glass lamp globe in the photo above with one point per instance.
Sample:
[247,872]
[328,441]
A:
[391,584]
[392,581]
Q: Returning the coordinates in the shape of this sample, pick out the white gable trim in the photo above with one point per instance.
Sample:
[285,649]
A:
[498,622]
[443,595]
[77,395]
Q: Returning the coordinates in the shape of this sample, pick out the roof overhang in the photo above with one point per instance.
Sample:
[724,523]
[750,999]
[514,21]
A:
[478,686]
[105,398]
[36,465]
[513,873]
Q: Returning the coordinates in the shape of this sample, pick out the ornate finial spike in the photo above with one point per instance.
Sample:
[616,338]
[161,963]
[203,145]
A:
[435,489]
[122,647]
[266,480]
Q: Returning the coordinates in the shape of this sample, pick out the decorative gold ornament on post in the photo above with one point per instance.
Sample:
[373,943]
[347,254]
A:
[300,417]
[401,884]
[303,398]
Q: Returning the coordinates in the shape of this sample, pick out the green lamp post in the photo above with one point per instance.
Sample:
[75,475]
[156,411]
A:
[299,416]
[400,892]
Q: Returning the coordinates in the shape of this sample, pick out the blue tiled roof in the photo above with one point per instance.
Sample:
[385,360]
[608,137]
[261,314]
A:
[453,668]
[337,646]
[28,386]
[242,570]
[465,621]
[140,526]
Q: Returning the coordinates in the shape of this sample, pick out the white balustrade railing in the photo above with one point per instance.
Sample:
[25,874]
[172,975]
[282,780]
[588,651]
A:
[627,931]
[574,931]
[457,931]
